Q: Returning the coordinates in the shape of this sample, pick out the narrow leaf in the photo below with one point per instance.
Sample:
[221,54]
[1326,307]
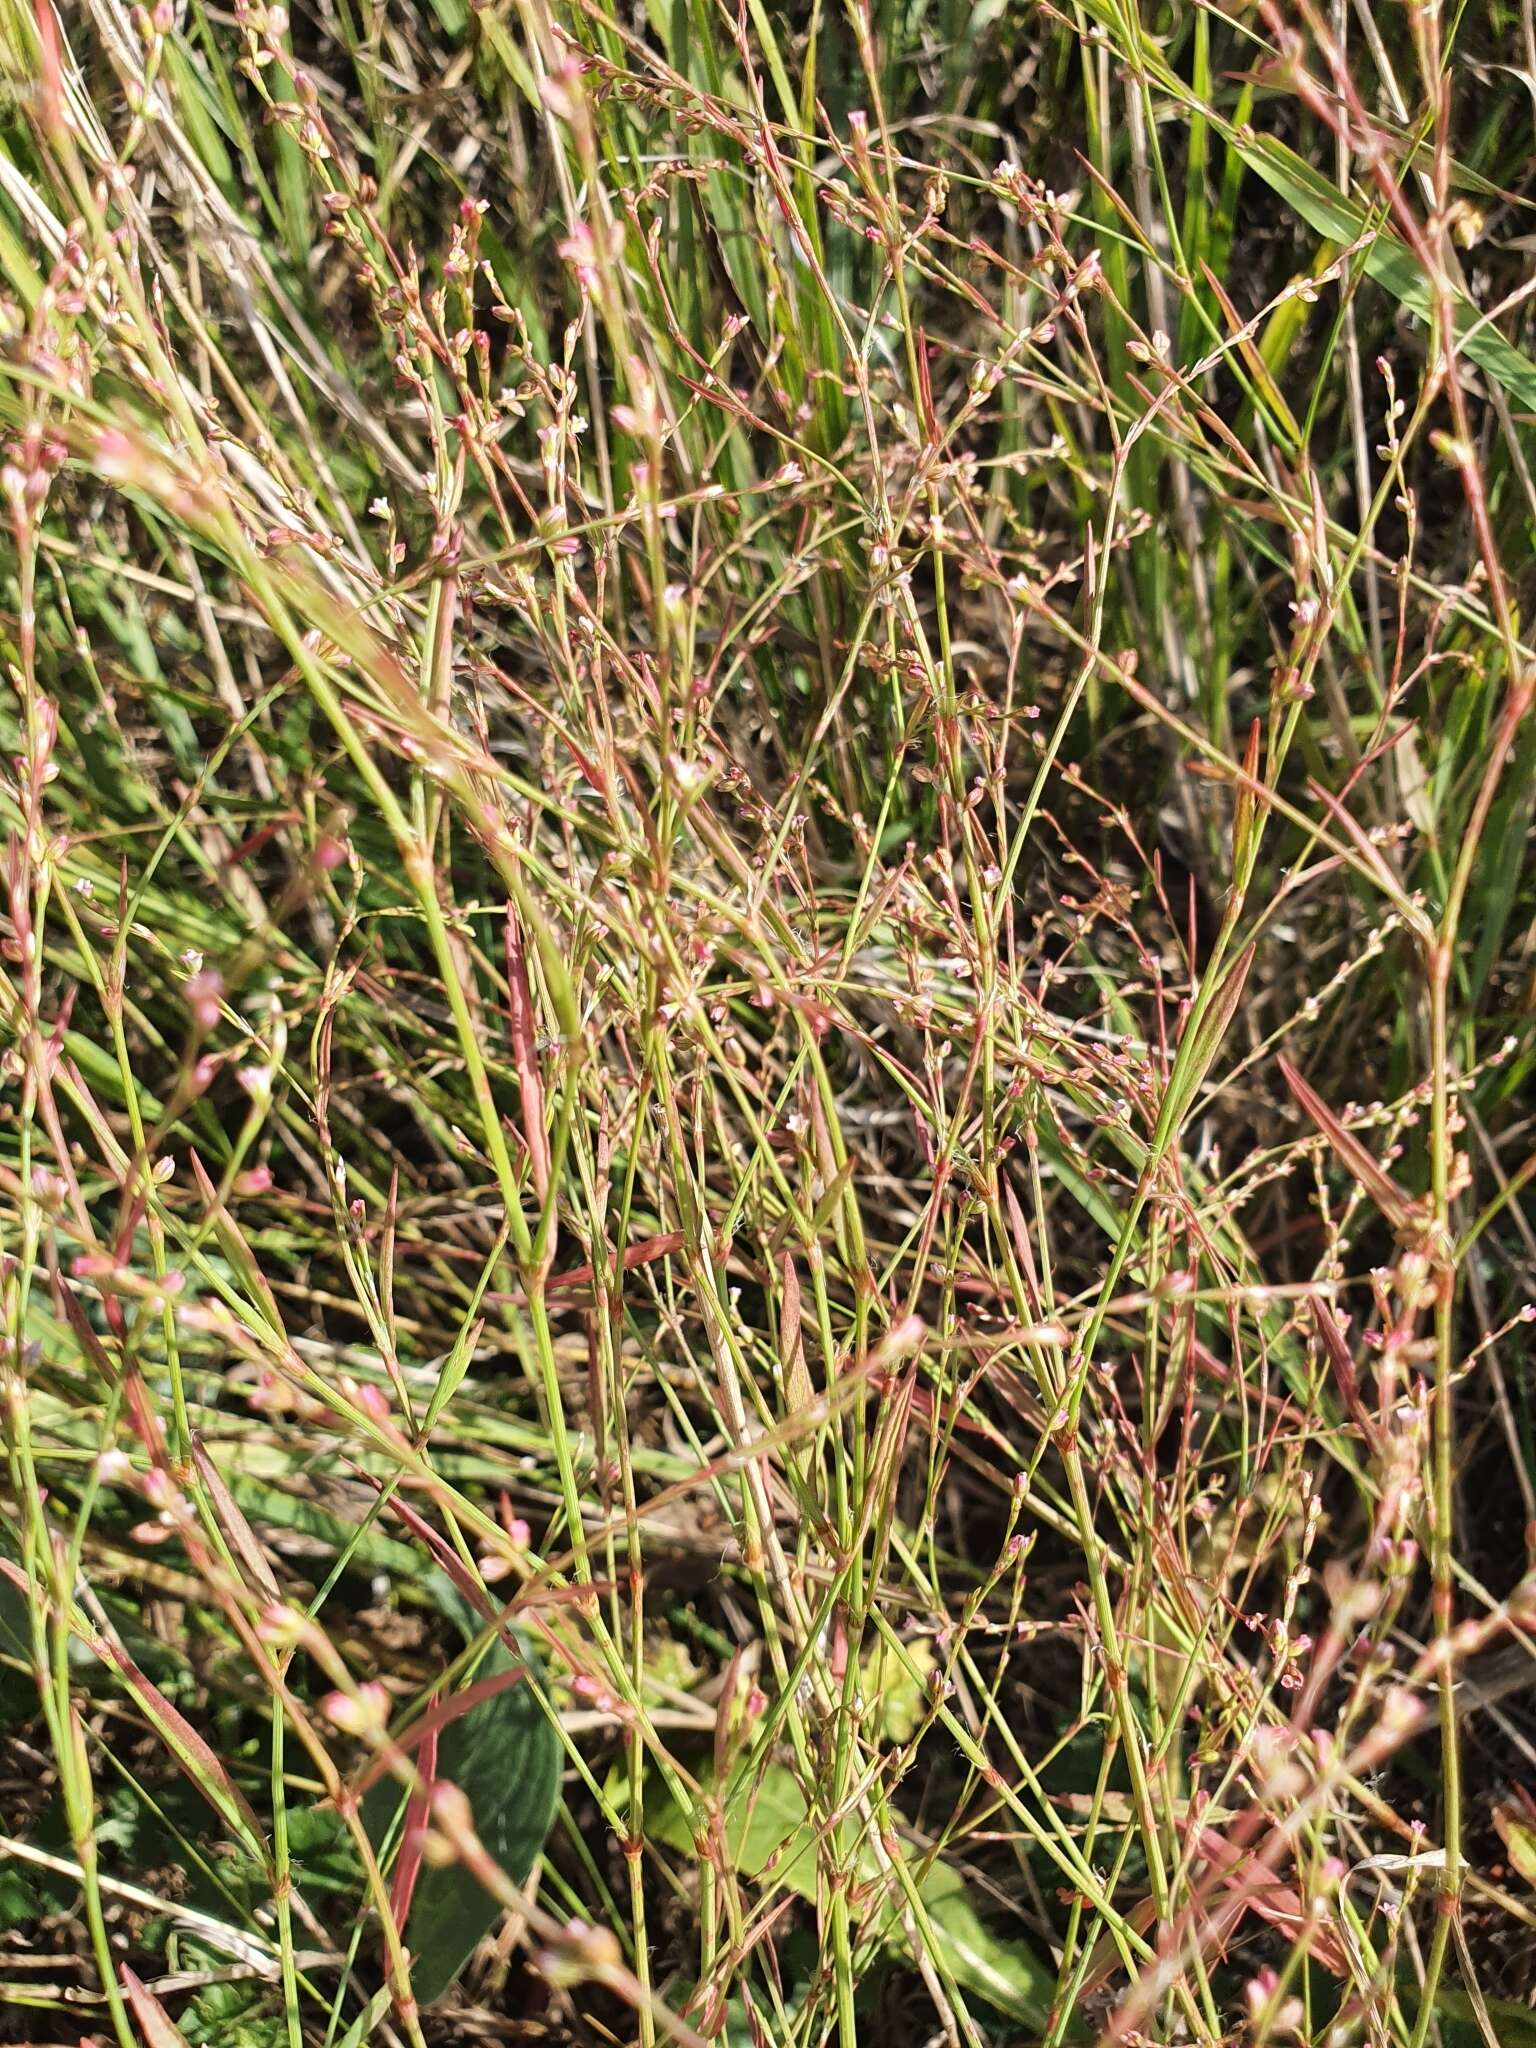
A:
[504,1756]
[1394,1202]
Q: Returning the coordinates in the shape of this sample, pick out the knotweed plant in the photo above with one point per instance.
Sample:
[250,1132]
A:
[766,1018]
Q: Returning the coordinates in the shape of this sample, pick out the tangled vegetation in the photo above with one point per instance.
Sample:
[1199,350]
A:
[767,1022]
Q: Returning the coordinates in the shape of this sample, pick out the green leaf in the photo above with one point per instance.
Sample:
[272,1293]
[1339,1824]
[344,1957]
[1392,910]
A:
[769,1831]
[1514,2026]
[18,1898]
[283,1508]
[15,1621]
[1515,1820]
[1340,218]
[504,1756]
[1002,1970]
[199,113]
[236,2015]
[899,1687]
[361,2029]
[1387,258]
[322,1851]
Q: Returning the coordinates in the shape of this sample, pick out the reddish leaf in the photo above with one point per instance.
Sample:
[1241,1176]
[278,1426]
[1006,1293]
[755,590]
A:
[150,2016]
[1399,1207]
[408,1864]
[645,1253]
[1341,1358]
[241,1535]
[1255,1889]
[197,1759]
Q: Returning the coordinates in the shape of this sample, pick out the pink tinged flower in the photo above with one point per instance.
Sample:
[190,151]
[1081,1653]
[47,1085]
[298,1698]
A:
[365,1712]
[204,993]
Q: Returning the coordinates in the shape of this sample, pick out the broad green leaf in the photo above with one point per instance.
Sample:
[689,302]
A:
[1001,1969]
[237,2015]
[1514,2025]
[504,1756]
[281,1508]
[18,1898]
[900,1688]
[769,1832]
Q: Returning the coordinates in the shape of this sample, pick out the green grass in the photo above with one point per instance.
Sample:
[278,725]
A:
[767,1023]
